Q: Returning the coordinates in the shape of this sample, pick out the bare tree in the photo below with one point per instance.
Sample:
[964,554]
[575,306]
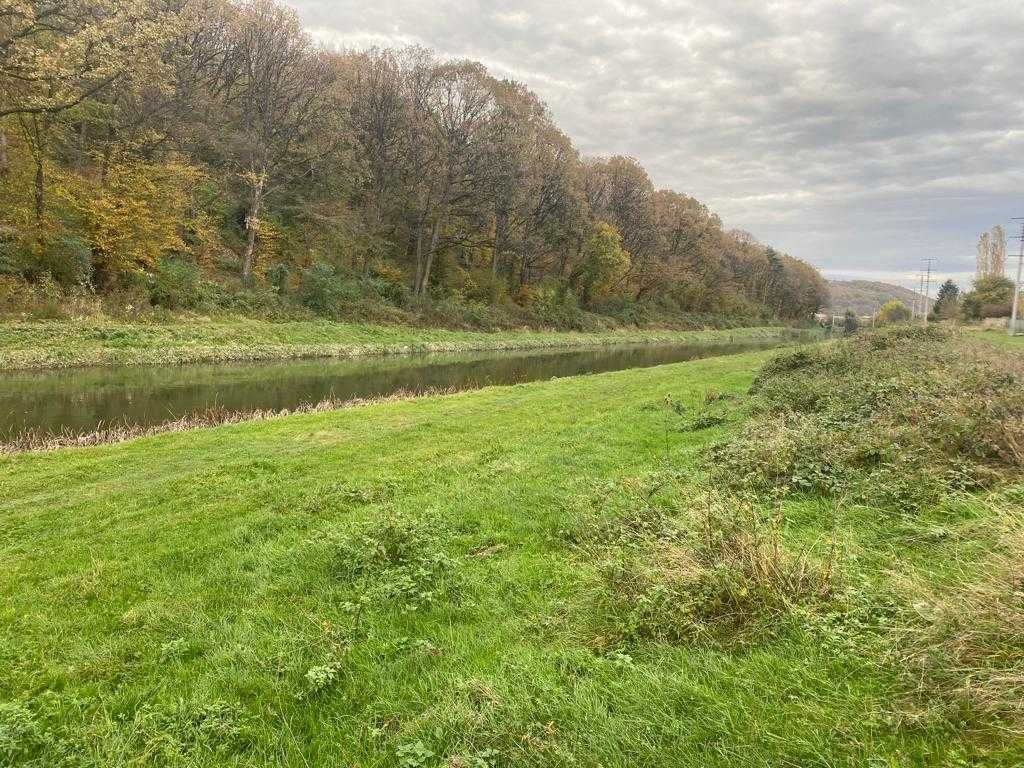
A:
[274,87]
[461,106]
[991,260]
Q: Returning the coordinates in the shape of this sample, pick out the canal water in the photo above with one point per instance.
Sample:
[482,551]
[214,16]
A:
[79,400]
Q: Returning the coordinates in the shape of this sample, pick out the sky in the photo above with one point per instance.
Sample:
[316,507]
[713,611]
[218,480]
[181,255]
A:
[860,135]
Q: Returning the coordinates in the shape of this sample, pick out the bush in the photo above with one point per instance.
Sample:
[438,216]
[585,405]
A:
[175,284]
[332,294]
[893,312]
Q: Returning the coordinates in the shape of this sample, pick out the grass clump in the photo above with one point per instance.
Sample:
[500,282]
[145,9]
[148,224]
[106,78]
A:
[731,579]
[898,418]
[399,560]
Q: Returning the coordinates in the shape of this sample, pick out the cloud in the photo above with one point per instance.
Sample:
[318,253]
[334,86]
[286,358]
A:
[860,136]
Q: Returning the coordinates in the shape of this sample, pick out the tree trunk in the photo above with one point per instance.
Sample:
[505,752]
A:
[425,285]
[524,260]
[419,259]
[39,188]
[500,225]
[4,162]
[251,226]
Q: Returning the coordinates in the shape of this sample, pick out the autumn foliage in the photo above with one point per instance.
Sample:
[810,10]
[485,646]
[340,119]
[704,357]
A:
[216,135]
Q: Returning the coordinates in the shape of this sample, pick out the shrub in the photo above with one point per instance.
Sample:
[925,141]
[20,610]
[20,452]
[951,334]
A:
[389,282]
[894,311]
[175,284]
[323,291]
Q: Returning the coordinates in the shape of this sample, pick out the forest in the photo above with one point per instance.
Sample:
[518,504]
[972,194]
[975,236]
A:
[208,156]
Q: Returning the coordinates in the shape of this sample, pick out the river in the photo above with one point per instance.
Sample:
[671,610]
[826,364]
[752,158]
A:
[79,400]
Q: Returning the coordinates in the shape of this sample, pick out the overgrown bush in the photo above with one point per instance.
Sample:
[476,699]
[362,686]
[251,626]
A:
[175,284]
[899,417]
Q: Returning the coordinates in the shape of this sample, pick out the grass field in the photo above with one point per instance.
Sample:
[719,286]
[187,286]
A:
[55,344]
[1001,337]
[403,584]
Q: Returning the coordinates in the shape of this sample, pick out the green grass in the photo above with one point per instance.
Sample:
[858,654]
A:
[238,596]
[1000,337]
[59,344]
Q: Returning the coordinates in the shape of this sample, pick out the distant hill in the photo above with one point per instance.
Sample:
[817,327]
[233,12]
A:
[864,297]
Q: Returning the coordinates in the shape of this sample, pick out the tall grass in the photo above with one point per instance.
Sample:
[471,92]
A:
[962,655]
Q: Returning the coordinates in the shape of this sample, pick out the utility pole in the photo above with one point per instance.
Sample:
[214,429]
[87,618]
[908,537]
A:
[927,287]
[1016,287]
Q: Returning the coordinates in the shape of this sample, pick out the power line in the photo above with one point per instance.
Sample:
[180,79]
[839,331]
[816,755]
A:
[929,260]
[1012,329]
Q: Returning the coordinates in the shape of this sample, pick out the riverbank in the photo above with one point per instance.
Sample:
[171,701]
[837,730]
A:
[435,582]
[41,345]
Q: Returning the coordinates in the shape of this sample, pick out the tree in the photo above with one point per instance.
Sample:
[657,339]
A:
[460,107]
[56,54]
[273,89]
[947,301]
[850,322]
[990,296]
[602,265]
[620,192]
[138,134]
[991,260]
[893,312]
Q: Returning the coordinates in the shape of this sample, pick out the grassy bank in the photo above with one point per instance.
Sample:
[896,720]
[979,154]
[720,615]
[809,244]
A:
[28,345]
[440,582]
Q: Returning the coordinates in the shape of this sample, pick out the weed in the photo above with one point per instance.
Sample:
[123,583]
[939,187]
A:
[629,512]
[710,411]
[485,758]
[414,755]
[397,559]
[174,650]
[320,678]
[18,730]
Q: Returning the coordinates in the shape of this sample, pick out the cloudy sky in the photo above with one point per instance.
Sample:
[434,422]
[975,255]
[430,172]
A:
[861,135]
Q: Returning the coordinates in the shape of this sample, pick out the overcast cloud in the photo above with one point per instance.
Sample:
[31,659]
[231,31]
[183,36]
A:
[860,136]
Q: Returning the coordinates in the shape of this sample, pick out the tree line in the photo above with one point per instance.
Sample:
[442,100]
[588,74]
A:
[177,144]
[991,292]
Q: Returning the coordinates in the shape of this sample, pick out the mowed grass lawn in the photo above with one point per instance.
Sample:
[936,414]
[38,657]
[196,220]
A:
[396,584]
